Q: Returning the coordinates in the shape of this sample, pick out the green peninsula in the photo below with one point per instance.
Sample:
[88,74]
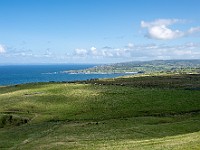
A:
[155,66]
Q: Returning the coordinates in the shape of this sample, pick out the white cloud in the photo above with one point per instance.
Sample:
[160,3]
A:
[48,53]
[2,49]
[143,51]
[94,51]
[182,52]
[81,52]
[160,22]
[164,33]
[97,53]
[110,54]
[162,51]
[194,30]
[130,45]
[159,29]
[93,48]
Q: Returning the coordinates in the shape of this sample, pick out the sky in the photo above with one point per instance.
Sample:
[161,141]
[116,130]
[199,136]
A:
[98,31]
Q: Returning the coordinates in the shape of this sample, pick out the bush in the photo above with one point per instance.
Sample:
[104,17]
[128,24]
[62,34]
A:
[12,120]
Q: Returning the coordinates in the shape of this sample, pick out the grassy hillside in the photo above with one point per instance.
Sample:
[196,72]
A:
[142,112]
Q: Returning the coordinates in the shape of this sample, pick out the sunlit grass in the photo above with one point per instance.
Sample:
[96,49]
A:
[95,116]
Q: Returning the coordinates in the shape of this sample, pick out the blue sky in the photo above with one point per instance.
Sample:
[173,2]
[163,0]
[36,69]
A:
[98,31]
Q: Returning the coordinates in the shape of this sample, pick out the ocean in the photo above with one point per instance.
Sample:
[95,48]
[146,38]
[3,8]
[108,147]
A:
[20,74]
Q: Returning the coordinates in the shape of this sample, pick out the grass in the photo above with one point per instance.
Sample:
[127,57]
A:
[122,113]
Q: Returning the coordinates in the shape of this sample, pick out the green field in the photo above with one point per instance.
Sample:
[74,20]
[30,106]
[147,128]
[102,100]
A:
[136,112]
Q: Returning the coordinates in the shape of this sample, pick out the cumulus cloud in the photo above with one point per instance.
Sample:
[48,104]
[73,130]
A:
[162,51]
[81,52]
[160,22]
[130,45]
[142,52]
[160,29]
[194,30]
[48,53]
[94,51]
[2,49]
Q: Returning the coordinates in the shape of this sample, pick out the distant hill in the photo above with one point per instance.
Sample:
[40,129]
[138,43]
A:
[167,66]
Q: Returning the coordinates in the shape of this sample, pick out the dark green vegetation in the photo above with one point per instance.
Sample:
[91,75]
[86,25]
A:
[167,66]
[136,112]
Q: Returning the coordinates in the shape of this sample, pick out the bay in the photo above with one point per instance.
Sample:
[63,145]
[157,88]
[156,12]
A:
[20,74]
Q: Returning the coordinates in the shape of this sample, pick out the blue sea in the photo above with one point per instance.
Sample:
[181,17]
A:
[20,74]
